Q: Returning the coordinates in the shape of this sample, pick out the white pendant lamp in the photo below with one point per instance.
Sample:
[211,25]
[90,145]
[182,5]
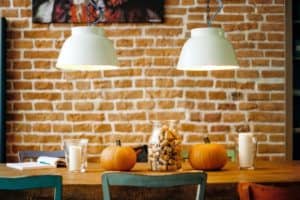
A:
[207,49]
[87,49]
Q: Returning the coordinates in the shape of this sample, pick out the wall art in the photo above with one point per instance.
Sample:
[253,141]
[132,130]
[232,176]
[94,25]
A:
[97,11]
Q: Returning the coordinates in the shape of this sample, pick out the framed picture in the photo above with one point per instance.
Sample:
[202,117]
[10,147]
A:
[97,11]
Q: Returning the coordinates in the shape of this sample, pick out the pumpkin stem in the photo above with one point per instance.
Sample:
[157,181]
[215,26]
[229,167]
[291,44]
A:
[118,142]
[206,140]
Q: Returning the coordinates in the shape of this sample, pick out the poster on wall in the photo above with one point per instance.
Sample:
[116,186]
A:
[97,11]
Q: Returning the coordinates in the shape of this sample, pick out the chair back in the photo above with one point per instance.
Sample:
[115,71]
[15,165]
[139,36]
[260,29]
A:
[254,191]
[33,182]
[23,155]
[154,181]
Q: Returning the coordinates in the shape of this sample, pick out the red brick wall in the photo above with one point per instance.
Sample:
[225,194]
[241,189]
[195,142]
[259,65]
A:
[46,105]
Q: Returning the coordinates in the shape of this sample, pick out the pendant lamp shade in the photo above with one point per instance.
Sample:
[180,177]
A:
[207,49]
[87,49]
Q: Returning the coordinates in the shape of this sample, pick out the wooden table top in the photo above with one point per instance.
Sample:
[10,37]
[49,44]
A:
[265,172]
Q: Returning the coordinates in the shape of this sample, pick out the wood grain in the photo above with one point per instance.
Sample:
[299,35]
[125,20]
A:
[272,172]
[221,184]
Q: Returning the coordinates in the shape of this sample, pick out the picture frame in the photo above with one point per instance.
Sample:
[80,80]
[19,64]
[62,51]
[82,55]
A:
[97,11]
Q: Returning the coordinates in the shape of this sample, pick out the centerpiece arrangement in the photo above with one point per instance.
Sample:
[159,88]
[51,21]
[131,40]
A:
[165,152]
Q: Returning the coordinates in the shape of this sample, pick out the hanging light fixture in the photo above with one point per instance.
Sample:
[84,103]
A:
[87,49]
[207,49]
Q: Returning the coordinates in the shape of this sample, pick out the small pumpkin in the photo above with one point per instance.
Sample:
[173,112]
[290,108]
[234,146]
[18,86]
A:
[208,156]
[118,158]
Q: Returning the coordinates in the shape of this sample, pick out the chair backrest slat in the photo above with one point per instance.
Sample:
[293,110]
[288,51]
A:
[154,181]
[33,182]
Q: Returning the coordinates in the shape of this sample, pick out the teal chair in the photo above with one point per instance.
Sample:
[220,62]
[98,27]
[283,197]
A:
[33,182]
[154,181]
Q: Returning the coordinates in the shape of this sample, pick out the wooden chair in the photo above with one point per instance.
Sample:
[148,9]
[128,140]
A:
[254,191]
[33,182]
[33,155]
[154,181]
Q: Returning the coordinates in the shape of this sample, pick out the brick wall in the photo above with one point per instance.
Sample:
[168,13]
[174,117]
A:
[46,105]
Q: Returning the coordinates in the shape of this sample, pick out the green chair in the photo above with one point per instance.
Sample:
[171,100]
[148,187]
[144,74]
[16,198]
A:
[33,182]
[154,181]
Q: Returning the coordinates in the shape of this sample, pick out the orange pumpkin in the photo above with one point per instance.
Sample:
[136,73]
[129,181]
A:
[118,158]
[208,156]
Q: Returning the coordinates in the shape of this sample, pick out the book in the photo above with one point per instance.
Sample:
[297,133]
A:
[29,165]
[53,161]
[41,163]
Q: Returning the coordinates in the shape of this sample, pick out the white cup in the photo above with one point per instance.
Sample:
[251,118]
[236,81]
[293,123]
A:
[76,154]
[247,150]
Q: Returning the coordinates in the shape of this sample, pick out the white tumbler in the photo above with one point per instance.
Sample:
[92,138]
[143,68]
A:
[76,154]
[247,150]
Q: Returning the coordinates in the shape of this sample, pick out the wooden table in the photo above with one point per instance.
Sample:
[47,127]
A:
[221,184]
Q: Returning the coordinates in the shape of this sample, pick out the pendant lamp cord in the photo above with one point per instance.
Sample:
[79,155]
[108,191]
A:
[209,18]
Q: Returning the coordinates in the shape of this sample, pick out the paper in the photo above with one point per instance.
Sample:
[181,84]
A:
[53,161]
[42,162]
[29,165]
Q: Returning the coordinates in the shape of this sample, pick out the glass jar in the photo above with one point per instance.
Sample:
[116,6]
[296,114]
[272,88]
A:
[164,148]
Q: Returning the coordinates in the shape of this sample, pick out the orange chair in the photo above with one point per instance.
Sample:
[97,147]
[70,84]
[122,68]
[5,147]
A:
[253,191]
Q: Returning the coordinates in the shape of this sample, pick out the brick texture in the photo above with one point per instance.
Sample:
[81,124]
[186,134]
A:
[46,105]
